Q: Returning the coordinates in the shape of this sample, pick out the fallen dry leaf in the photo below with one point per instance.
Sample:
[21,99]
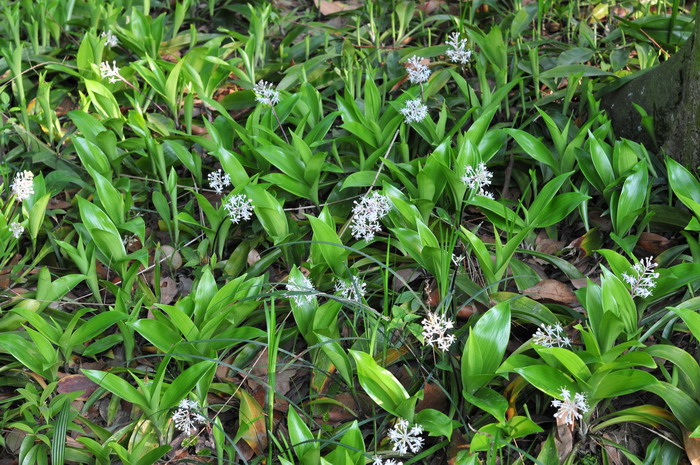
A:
[252,423]
[692,448]
[434,397]
[74,383]
[563,439]
[168,290]
[553,291]
[652,243]
[546,245]
[328,8]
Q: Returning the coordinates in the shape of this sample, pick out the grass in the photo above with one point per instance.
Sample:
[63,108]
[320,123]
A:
[226,236]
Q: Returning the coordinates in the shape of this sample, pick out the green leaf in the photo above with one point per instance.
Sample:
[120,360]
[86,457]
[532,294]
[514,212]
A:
[36,216]
[183,384]
[305,446]
[547,379]
[117,386]
[435,422]
[535,148]
[631,199]
[384,389]
[485,347]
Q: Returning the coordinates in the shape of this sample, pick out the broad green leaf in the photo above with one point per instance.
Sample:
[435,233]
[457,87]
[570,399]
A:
[384,389]
[485,347]
[117,386]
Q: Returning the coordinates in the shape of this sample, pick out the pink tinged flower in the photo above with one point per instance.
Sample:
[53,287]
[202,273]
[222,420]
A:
[643,279]
[186,417]
[239,208]
[570,408]
[265,94]
[414,111]
[418,73]
[23,185]
[405,439]
[366,215]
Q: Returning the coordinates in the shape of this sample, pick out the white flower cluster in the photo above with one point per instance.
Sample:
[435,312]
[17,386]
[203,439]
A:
[186,417]
[644,279]
[23,185]
[110,72]
[16,229]
[435,329]
[414,111]
[551,336]
[457,259]
[477,178]
[110,39]
[458,52]
[378,461]
[218,180]
[352,289]
[302,290]
[404,438]
[571,408]
[418,73]
[367,214]
[239,208]
[265,94]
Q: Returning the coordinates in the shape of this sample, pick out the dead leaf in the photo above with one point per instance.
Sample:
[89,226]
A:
[466,311]
[328,8]
[430,6]
[251,419]
[553,291]
[458,444]
[613,452]
[692,448]
[168,290]
[171,257]
[253,257]
[546,245]
[563,439]
[74,383]
[652,243]
[434,397]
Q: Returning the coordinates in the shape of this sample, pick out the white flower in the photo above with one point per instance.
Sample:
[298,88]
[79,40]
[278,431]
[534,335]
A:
[570,409]
[405,439]
[265,94]
[378,461]
[458,53]
[110,39]
[644,280]
[239,208]
[414,111]
[477,178]
[435,331]
[551,336]
[23,185]
[186,417]
[367,214]
[457,259]
[302,290]
[16,229]
[219,180]
[418,73]
[111,72]
[352,289]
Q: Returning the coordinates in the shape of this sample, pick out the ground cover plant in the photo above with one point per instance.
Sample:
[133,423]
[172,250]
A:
[341,233]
